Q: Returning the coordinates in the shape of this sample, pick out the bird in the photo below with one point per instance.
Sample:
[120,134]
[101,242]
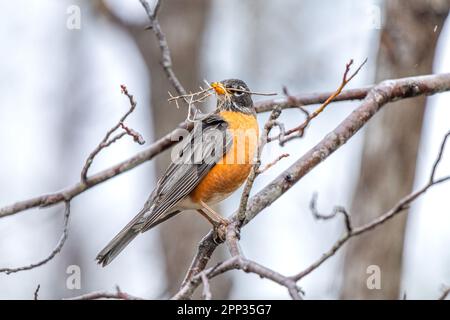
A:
[213,161]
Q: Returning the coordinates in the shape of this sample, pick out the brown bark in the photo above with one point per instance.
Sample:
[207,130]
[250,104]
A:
[407,46]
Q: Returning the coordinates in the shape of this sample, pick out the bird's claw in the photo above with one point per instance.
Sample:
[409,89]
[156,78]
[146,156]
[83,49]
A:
[220,231]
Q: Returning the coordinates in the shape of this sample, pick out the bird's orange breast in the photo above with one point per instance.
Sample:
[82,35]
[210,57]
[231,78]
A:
[229,173]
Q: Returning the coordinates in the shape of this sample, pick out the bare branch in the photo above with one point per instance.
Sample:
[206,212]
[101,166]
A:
[293,103]
[156,9]
[445,294]
[166,59]
[374,98]
[137,137]
[336,210]
[36,292]
[206,288]
[200,96]
[401,206]
[118,295]
[397,89]
[299,131]
[205,249]
[271,164]
[271,122]
[232,239]
[55,251]
[379,96]
[438,158]
[383,93]
[238,263]
[301,100]
[106,142]
[195,97]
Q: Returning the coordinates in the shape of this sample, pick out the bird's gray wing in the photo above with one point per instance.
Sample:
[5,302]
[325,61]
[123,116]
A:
[199,152]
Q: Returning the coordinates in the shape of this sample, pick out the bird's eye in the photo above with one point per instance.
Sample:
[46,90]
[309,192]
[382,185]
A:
[238,93]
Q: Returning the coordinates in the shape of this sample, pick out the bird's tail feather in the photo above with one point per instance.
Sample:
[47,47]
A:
[126,235]
[117,244]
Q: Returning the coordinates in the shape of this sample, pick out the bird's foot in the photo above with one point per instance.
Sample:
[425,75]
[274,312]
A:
[220,231]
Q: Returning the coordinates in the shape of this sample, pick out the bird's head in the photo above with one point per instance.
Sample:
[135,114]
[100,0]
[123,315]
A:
[233,95]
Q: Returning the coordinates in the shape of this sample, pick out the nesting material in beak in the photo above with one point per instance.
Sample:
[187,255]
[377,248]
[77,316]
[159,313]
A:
[219,88]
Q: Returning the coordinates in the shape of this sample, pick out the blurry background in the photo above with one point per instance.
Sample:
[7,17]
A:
[60,93]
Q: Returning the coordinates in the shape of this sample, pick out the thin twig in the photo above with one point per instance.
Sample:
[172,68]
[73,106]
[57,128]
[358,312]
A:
[253,92]
[270,123]
[206,288]
[379,96]
[438,158]
[166,59]
[375,100]
[36,292]
[239,263]
[445,294]
[106,141]
[401,206]
[200,96]
[137,137]
[336,210]
[299,131]
[118,295]
[271,164]
[55,251]
[398,89]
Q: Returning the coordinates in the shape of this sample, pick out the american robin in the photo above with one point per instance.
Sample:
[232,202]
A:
[217,158]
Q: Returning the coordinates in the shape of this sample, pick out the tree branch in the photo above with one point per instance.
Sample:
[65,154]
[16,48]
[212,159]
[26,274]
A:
[36,292]
[166,59]
[299,131]
[239,262]
[163,144]
[336,211]
[55,251]
[118,295]
[380,95]
[106,142]
[206,288]
[402,205]
[271,122]
[445,294]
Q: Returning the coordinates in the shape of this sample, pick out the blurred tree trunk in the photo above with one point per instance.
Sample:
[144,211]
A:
[75,112]
[388,163]
[183,23]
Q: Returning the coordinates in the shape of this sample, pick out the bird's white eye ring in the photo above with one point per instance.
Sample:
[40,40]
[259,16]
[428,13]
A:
[238,93]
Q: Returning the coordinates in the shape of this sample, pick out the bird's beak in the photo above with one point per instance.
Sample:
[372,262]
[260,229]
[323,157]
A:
[219,88]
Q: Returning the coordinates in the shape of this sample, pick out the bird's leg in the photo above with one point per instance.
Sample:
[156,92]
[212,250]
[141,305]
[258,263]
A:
[213,217]
[204,214]
[219,223]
